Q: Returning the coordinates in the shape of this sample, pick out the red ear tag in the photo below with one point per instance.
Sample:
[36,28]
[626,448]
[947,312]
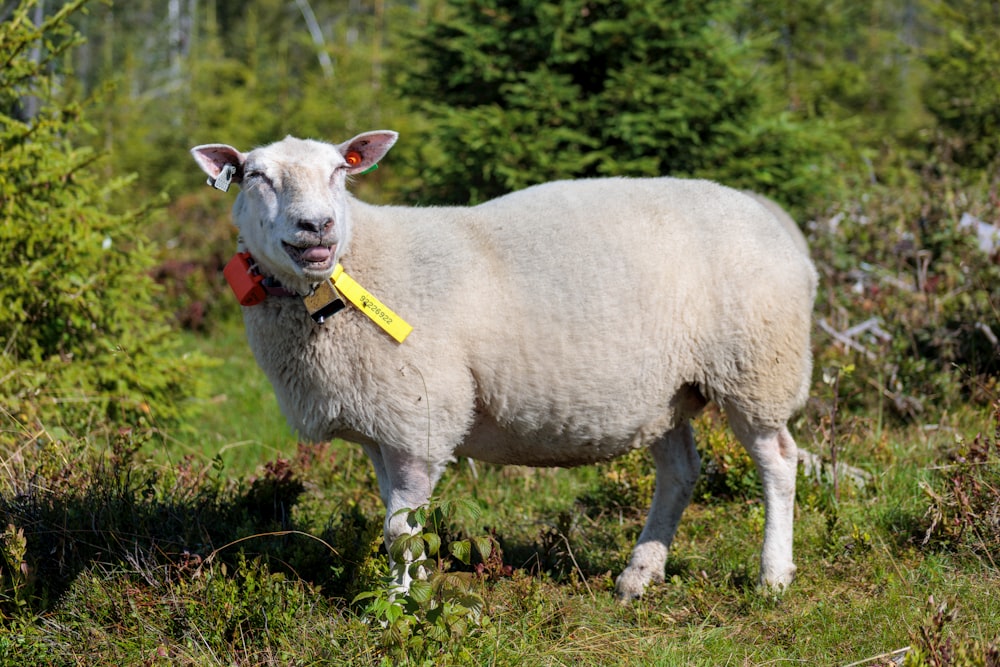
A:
[245,283]
[353,158]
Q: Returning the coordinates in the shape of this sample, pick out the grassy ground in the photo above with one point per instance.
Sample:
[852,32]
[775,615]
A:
[241,421]
[229,544]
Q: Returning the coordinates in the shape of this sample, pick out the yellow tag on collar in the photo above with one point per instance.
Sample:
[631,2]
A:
[393,324]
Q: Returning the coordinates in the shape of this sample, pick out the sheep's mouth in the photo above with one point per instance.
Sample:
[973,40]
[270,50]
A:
[311,258]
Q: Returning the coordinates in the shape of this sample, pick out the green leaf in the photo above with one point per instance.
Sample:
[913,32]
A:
[462,550]
[417,518]
[484,546]
[364,595]
[473,602]
[433,542]
[407,547]
[421,591]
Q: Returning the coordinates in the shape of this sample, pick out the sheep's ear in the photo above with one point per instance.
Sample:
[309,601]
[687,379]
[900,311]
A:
[366,149]
[214,158]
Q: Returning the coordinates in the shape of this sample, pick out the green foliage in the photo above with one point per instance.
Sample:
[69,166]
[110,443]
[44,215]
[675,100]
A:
[626,484]
[433,619]
[962,91]
[83,338]
[728,472]
[125,614]
[899,259]
[936,646]
[130,561]
[964,497]
[241,73]
[842,60]
[242,604]
[69,505]
[525,92]
[13,569]
[107,558]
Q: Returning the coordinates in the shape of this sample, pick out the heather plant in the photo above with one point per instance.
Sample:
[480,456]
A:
[964,497]
[937,645]
[68,506]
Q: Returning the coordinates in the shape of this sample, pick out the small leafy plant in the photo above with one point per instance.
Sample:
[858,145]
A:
[964,497]
[440,606]
[935,645]
[727,471]
[14,570]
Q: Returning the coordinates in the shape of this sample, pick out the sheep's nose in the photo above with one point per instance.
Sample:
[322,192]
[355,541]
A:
[315,225]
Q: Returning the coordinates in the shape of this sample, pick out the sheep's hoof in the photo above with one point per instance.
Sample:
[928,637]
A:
[631,584]
[776,585]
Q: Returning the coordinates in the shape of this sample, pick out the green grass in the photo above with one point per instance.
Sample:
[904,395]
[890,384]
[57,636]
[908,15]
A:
[240,421]
[151,550]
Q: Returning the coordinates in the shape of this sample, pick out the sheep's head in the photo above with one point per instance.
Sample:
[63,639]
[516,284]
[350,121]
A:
[292,207]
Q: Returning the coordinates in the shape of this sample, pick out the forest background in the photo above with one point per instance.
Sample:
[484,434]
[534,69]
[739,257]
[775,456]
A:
[138,440]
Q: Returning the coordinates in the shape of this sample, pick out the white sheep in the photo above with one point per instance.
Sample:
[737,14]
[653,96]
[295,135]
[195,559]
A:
[561,325]
[782,216]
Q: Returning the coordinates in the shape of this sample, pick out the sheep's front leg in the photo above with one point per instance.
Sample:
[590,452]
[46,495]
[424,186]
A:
[405,482]
[677,469]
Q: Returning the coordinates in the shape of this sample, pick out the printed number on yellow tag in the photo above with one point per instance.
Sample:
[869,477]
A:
[379,313]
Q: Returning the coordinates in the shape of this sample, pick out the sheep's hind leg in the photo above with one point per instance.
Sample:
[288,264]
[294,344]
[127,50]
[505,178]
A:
[677,468]
[776,456]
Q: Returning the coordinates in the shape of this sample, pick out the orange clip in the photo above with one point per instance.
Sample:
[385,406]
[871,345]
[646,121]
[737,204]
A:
[353,158]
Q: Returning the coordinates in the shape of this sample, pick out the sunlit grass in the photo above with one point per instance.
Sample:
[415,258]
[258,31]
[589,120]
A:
[160,562]
[240,420]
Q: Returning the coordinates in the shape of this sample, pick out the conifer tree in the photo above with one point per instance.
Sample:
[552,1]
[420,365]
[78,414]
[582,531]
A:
[522,92]
[963,90]
[83,345]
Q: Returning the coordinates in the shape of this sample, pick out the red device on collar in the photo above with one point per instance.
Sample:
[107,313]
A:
[246,283]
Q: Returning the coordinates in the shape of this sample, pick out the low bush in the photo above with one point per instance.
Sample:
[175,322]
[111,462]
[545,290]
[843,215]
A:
[67,506]
[964,497]
[910,298]
[430,622]
[935,644]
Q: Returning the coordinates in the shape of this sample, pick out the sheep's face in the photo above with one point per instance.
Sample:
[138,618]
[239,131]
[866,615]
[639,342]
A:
[292,208]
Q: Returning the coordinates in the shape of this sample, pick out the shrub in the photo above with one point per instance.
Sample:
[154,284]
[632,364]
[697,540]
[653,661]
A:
[934,645]
[964,496]
[525,92]
[432,619]
[914,294]
[67,506]
[727,473]
[83,342]
[962,92]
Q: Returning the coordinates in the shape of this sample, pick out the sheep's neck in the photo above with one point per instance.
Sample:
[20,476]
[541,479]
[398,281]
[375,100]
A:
[247,283]
[325,300]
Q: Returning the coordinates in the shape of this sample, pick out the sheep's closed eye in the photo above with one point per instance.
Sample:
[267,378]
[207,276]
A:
[338,171]
[254,177]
